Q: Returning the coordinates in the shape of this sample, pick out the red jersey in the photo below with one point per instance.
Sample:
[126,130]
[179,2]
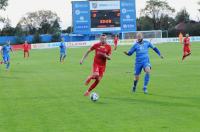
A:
[186,41]
[100,49]
[26,47]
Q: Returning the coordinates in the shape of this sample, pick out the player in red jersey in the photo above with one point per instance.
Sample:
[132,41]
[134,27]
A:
[186,47]
[116,39]
[102,54]
[26,49]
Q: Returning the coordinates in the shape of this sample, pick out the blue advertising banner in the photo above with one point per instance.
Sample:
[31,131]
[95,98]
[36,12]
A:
[81,17]
[128,15]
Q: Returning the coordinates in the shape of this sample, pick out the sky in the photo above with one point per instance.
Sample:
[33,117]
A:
[18,8]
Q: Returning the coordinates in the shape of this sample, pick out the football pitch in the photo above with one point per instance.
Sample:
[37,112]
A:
[42,95]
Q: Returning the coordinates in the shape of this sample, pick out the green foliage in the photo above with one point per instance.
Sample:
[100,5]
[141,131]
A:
[182,16]
[3,4]
[144,23]
[40,21]
[193,29]
[8,31]
[20,34]
[156,9]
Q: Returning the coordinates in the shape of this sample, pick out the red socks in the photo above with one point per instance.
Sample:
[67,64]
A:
[93,85]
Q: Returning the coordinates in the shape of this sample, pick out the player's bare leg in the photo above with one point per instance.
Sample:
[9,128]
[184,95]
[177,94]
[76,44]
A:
[146,79]
[115,48]
[28,54]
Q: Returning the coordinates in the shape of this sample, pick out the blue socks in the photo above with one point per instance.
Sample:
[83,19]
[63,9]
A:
[8,65]
[146,80]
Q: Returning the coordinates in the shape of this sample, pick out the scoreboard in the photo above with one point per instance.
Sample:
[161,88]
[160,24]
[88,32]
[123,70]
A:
[105,18]
[90,17]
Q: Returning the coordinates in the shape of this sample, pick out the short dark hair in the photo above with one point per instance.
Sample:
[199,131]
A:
[103,35]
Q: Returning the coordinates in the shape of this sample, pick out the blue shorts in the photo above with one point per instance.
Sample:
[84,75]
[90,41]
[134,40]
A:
[140,66]
[6,58]
[62,53]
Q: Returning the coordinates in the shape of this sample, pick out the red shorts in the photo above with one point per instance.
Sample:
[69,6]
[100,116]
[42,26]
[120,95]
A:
[26,51]
[99,69]
[186,49]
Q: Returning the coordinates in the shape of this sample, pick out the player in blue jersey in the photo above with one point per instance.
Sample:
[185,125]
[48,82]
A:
[5,52]
[142,61]
[63,49]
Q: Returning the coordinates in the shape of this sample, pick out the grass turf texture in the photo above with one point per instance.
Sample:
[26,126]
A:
[42,95]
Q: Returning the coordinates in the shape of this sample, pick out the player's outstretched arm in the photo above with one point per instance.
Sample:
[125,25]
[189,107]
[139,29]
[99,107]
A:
[84,57]
[126,53]
[131,51]
[158,52]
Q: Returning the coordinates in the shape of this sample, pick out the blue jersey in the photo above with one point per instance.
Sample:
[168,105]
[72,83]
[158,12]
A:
[6,50]
[142,51]
[62,47]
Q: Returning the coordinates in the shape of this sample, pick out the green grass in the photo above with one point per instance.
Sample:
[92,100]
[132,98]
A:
[41,95]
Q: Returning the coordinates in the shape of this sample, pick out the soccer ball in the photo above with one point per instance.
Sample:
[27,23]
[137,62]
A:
[94,96]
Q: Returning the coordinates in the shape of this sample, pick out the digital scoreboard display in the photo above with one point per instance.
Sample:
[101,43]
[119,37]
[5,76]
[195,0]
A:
[112,16]
[105,18]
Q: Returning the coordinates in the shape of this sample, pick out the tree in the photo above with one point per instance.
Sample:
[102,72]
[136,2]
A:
[182,16]
[20,34]
[7,29]
[156,9]
[40,21]
[166,22]
[56,32]
[55,27]
[144,23]
[3,4]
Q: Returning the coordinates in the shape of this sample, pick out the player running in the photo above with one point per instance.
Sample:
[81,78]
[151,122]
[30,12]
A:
[116,39]
[102,54]
[142,60]
[63,49]
[5,52]
[186,47]
[26,49]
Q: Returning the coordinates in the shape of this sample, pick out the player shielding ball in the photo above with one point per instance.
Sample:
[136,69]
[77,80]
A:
[26,49]
[63,49]
[186,47]
[5,52]
[142,61]
[102,54]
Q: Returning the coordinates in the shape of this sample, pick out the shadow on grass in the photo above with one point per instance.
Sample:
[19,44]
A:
[10,77]
[177,97]
[151,102]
